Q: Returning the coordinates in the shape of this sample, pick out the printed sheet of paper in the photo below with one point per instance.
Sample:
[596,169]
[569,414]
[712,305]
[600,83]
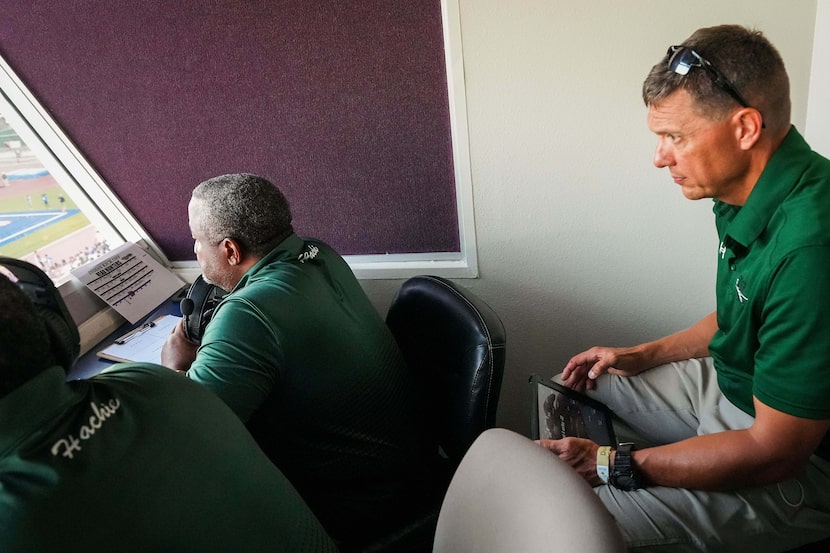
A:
[130,280]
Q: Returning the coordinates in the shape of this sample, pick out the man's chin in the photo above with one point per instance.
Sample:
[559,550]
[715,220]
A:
[693,193]
[214,283]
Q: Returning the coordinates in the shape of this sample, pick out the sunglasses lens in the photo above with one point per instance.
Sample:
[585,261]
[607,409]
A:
[682,60]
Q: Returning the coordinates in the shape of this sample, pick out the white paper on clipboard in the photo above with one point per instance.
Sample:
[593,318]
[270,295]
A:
[129,280]
[144,343]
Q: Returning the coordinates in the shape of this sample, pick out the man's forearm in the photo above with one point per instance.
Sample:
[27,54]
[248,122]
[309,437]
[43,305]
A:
[687,344]
[775,447]
[711,462]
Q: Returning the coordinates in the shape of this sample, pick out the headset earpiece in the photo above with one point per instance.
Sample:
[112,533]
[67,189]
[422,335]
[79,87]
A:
[64,337]
[49,305]
[197,308]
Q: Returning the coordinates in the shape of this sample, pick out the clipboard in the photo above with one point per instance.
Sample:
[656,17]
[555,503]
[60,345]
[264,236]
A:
[142,344]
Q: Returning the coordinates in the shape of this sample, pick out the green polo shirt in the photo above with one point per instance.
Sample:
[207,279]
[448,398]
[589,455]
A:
[299,352]
[773,287]
[139,459]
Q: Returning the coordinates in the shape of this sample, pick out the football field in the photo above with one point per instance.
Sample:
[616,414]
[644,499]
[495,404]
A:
[16,225]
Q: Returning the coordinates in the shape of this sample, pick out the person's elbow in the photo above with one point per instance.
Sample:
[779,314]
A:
[783,468]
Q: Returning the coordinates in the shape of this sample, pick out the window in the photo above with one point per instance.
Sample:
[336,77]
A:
[40,221]
[55,211]
[356,148]
[33,133]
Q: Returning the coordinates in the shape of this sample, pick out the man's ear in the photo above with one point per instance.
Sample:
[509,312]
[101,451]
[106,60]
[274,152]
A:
[232,250]
[748,125]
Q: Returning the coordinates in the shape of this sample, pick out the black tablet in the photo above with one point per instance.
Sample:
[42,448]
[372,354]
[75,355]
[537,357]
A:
[559,412]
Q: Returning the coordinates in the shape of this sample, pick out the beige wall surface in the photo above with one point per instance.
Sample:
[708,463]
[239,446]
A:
[581,240]
[818,108]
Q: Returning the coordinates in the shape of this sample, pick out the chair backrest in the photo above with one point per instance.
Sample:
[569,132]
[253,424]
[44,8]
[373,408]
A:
[455,344]
[511,494]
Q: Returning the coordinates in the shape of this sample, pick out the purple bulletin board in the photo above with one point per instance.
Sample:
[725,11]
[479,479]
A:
[343,104]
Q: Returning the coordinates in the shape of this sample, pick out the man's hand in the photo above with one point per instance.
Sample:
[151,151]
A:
[776,447]
[584,368]
[178,352]
[580,453]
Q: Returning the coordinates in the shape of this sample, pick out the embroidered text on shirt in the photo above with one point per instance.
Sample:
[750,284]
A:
[100,413]
[311,253]
[722,250]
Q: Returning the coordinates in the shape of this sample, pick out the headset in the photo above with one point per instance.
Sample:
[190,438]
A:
[198,306]
[63,332]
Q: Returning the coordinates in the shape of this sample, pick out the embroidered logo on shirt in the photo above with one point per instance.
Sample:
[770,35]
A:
[311,253]
[100,413]
[741,296]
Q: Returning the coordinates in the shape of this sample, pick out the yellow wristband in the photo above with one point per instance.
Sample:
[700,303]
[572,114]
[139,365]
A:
[603,462]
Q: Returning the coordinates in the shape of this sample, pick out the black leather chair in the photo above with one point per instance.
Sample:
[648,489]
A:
[455,344]
[822,546]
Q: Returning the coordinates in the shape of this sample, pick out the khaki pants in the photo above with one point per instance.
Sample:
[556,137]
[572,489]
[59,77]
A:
[681,400]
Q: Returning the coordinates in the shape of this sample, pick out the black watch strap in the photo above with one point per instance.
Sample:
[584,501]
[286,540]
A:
[623,475]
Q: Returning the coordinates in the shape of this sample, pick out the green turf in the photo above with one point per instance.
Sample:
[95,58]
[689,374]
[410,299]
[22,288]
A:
[31,242]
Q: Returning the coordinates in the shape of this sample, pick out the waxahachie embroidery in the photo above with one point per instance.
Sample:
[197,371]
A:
[72,443]
[310,253]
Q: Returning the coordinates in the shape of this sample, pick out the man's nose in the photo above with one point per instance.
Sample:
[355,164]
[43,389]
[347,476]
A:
[662,156]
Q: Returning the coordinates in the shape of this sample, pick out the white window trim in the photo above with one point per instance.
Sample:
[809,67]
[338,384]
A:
[817,127]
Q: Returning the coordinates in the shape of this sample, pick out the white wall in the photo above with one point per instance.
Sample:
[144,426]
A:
[818,108]
[581,240]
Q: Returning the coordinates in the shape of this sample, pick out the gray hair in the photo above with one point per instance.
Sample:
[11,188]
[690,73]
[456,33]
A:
[245,207]
[749,62]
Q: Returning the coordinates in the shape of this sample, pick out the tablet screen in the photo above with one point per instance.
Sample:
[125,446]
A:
[561,412]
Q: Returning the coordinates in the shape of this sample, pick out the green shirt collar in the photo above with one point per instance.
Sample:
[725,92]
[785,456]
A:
[290,249]
[776,182]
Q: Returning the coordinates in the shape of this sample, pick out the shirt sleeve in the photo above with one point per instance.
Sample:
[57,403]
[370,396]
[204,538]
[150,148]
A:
[239,358]
[793,356]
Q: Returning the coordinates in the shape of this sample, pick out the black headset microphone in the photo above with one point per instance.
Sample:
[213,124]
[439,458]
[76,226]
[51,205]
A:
[186,306]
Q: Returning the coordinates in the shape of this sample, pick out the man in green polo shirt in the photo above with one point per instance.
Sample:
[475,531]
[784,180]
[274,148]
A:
[301,355]
[136,459]
[730,417]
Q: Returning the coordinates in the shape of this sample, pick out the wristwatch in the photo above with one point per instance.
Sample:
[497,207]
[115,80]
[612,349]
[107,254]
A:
[623,475]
